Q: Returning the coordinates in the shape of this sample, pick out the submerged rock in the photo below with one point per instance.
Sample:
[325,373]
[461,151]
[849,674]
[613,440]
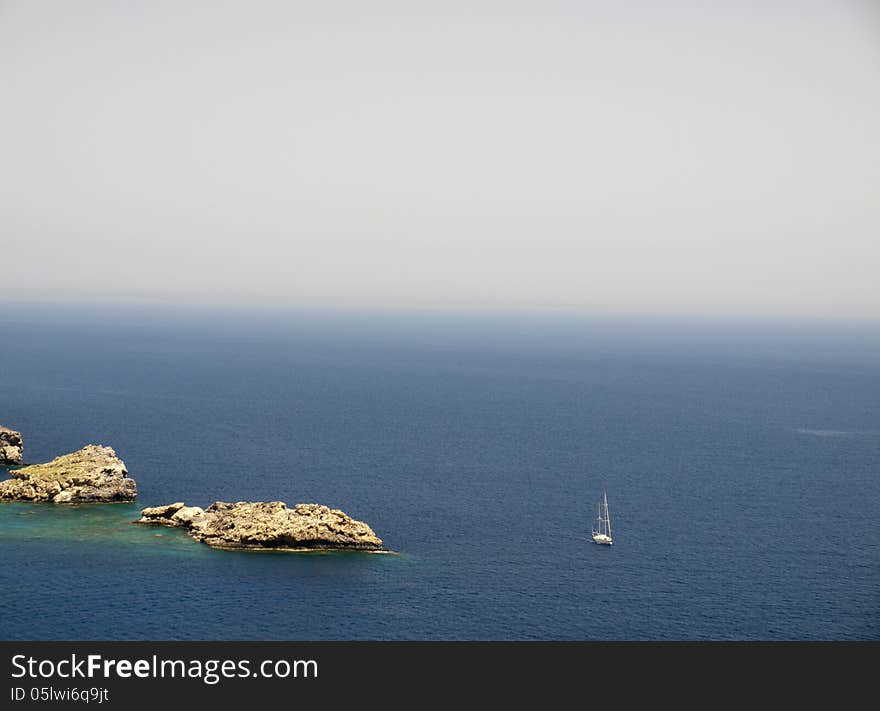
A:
[10,446]
[266,525]
[92,474]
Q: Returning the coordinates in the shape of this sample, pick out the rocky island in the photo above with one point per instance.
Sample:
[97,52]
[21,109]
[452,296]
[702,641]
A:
[266,526]
[94,474]
[10,446]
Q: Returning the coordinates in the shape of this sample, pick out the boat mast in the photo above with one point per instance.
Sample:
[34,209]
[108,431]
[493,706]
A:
[607,517]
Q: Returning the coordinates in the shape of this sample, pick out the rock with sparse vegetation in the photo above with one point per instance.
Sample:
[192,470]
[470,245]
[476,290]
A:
[94,474]
[266,525]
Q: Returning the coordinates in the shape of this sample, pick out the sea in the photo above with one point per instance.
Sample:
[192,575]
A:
[740,458]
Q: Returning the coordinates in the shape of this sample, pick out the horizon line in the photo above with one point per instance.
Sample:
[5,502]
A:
[437,310]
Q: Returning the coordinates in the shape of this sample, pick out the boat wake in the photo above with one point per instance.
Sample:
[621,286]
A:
[830,433]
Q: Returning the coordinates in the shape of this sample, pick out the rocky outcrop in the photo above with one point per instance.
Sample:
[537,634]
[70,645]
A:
[266,525]
[93,474]
[10,446]
[177,514]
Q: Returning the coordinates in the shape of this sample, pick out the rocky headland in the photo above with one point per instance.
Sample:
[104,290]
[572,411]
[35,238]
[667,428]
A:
[10,446]
[266,526]
[94,474]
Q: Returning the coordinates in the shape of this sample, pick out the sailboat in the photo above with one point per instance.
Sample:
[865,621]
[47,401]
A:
[602,531]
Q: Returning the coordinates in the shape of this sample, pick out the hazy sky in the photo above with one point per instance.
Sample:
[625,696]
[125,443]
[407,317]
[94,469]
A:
[640,157]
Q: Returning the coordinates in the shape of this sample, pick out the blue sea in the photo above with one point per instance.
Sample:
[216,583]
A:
[741,462]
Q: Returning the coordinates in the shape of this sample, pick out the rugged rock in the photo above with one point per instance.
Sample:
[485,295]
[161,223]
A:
[177,514]
[266,525]
[10,446]
[93,474]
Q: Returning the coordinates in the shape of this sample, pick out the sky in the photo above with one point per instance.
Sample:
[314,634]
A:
[706,158]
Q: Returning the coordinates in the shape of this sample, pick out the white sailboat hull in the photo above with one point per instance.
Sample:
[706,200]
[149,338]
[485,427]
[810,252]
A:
[602,539]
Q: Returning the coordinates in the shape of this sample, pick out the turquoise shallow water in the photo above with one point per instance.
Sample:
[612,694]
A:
[742,468]
[97,526]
